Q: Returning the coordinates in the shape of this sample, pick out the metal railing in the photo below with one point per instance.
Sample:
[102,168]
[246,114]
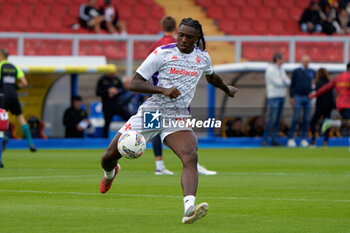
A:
[130,39]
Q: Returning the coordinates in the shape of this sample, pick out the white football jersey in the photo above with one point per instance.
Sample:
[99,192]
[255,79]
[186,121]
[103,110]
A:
[167,67]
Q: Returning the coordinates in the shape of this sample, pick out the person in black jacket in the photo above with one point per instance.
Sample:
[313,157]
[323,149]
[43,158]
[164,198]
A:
[324,105]
[310,20]
[111,90]
[75,119]
[300,89]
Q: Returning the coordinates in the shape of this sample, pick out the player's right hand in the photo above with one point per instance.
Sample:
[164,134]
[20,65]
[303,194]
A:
[172,93]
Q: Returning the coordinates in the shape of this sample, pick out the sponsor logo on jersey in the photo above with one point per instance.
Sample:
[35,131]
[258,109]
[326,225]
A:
[189,72]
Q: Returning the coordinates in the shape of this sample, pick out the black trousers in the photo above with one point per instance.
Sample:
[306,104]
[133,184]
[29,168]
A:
[110,112]
[320,112]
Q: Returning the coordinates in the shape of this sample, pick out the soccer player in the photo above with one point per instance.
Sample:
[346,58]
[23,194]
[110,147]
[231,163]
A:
[342,86]
[180,66]
[168,24]
[9,75]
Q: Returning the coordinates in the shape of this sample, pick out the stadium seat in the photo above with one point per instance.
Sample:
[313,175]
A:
[153,26]
[264,13]
[244,27]
[227,26]
[254,3]
[42,11]
[241,3]
[58,11]
[281,13]
[37,24]
[205,3]
[295,13]
[215,12]
[276,27]
[125,13]
[286,4]
[222,3]
[260,27]
[141,11]
[231,12]
[291,27]
[9,11]
[248,13]
[302,3]
[271,3]
[25,11]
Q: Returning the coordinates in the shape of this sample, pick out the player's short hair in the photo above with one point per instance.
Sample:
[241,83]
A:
[4,52]
[168,23]
[76,98]
[198,27]
[276,56]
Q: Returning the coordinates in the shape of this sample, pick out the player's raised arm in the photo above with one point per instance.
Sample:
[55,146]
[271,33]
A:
[140,84]
[217,81]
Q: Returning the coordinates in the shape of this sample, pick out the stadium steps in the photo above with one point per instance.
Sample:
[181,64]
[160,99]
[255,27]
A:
[221,52]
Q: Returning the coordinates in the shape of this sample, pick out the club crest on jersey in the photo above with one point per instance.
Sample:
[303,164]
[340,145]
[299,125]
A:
[189,72]
[155,52]
[198,59]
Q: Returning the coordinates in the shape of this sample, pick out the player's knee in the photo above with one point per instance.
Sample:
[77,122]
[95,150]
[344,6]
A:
[190,158]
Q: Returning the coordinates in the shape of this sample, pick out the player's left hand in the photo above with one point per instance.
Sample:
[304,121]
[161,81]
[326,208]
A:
[232,91]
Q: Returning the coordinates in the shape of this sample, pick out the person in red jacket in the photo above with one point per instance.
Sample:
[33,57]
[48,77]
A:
[342,86]
[168,24]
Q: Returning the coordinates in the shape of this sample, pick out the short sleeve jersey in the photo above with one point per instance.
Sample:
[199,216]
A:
[9,73]
[168,68]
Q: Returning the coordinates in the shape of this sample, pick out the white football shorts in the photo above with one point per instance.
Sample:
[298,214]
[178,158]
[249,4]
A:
[136,123]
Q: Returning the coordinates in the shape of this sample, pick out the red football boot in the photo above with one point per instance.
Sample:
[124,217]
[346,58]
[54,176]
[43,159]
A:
[106,184]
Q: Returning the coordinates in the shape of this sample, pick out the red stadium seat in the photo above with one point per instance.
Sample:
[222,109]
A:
[9,11]
[286,4]
[260,27]
[271,3]
[250,53]
[125,13]
[231,12]
[153,26]
[291,27]
[25,11]
[215,12]
[244,27]
[239,2]
[205,3]
[254,3]
[223,3]
[58,11]
[227,26]
[248,12]
[7,23]
[302,3]
[141,11]
[276,27]
[295,13]
[264,13]
[42,10]
[281,13]
[37,24]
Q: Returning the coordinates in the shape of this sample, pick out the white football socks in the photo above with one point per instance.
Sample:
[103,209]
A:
[160,165]
[189,201]
[335,123]
[109,175]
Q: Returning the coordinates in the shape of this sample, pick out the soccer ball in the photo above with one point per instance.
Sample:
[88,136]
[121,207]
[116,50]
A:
[131,144]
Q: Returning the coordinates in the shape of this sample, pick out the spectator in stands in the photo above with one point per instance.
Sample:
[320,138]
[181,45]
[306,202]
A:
[300,89]
[75,119]
[256,127]
[330,20]
[89,17]
[168,24]
[276,81]
[324,105]
[110,88]
[111,21]
[234,128]
[310,20]
[344,21]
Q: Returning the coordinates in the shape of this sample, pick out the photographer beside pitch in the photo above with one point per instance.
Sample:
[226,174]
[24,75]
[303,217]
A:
[174,91]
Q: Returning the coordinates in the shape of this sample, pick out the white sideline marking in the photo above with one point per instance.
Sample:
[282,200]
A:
[41,177]
[169,196]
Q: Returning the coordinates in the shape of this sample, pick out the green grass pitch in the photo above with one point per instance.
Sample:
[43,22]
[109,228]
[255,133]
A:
[256,190]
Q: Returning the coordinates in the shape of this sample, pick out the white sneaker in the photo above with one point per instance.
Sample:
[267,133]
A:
[203,171]
[195,212]
[291,143]
[304,143]
[164,172]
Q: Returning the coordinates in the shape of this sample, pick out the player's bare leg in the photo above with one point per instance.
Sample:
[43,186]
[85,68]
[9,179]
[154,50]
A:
[109,163]
[185,146]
